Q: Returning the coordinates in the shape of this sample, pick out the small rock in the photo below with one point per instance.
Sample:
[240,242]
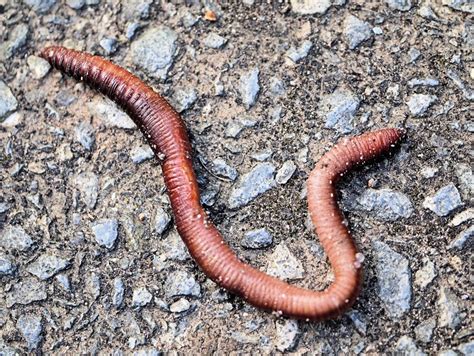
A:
[249,87]
[181,283]
[386,204]
[84,133]
[8,102]
[449,309]
[309,7]
[162,220]
[64,282]
[141,297]
[15,238]
[235,127]
[222,169]
[12,120]
[106,232]
[140,154]
[39,67]
[356,31]
[400,5]
[47,266]
[460,5]
[448,352]
[339,109]
[183,99]
[413,54]
[429,172]
[16,39]
[284,265]
[109,114]
[359,321]
[377,31]
[467,348]
[180,306]
[462,217]
[252,184]
[93,285]
[277,87]
[109,45]
[6,265]
[214,40]
[444,201]
[466,179]
[188,20]
[155,50]
[64,153]
[425,275]
[406,346]
[427,12]
[427,82]
[285,172]
[174,248]
[424,330]
[76,4]
[118,292]
[87,183]
[27,291]
[136,9]
[132,29]
[462,239]
[40,6]
[418,104]
[297,54]
[467,92]
[287,333]
[262,155]
[259,238]
[31,328]
[393,279]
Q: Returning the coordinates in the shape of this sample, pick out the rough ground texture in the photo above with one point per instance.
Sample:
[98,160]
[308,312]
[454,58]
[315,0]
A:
[90,260]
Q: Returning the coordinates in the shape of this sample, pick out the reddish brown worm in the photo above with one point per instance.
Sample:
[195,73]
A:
[166,133]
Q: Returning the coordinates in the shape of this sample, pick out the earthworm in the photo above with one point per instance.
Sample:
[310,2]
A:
[167,135]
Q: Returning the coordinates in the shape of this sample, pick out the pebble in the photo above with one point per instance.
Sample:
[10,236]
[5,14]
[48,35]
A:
[46,266]
[162,220]
[40,6]
[174,248]
[356,31]
[252,184]
[141,154]
[84,134]
[277,86]
[214,40]
[188,20]
[15,238]
[236,126]
[249,87]
[407,346]
[131,30]
[220,168]
[87,183]
[31,329]
[109,44]
[12,120]
[429,172]
[285,172]
[427,82]
[6,265]
[93,285]
[359,321]
[386,204]
[460,5]
[136,9]
[339,109]
[462,217]
[297,54]
[39,67]
[183,99]
[427,12]
[64,282]
[16,39]
[425,275]
[447,353]
[141,297]
[463,239]
[449,309]
[106,232]
[400,5]
[180,306]
[76,4]
[181,283]
[118,292]
[467,92]
[284,265]
[65,98]
[418,104]
[309,7]
[155,50]
[424,330]
[258,238]
[444,201]
[413,54]
[466,179]
[287,332]
[109,114]
[467,348]
[27,291]
[393,279]
[8,101]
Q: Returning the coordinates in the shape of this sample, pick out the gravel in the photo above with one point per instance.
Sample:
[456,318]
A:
[141,297]
[17,38]
[309,7]
[255,239]
[284,265]
[109,114]
[39,67]
[181,283]
[297,54]
[463,239]
[285,172]
[87,183]
[220,168]
[183,99]
[401,5]
[449,309]
[40,6]
[47,266]
[407,346]
[418,104]
[425,275]
[31,329]
[141,154]
[162,220]
[27,291]
[15,238]
[8,101]
[84,134]
[287,335]
[6,265]
[249,87]
[356,31]
[214,40]
[444,201]
[118,292]
[386,204]
[236,126]
[339,109]
[424,330]
[106,232]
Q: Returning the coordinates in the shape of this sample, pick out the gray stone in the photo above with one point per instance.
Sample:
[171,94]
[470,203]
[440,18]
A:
[39,67]
[76,4]
[393,279]
[427,12]
[12,120]
[141,297]
[109,114]
[136,9]
[8,101]
[236,126]
[93,285]
[16,39]
[467,348]
[425,275]
[188,19]
[287,333]
[463,239]
[424,330]
[429,172]
[106,232]
[339,109]
[46,266]
[109,44]
[277,87]
[447,352]
[132,29]
[359,321]
[174,247]
[64,282]
[162,220]
[309,7]
[220,168]
[427,82]
[249,87]
[31,328]
[262,155]
[6,265]
[183,99]
[444,201]
[15,238]
[467,92]
[449,309]
[460,5]
[180,306]
[356,31]
[465,178]
[297,54]
[27,291]
[141,154]
[462,217]
[284,265]
[252,184]
[40,6]
[84,134]
[118,292]
[87,183]
[413,54]
[386,204]
[407,346]
[181,283]
[214,40]
[418,104]
[259,238]
[401,5]
[155,50]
